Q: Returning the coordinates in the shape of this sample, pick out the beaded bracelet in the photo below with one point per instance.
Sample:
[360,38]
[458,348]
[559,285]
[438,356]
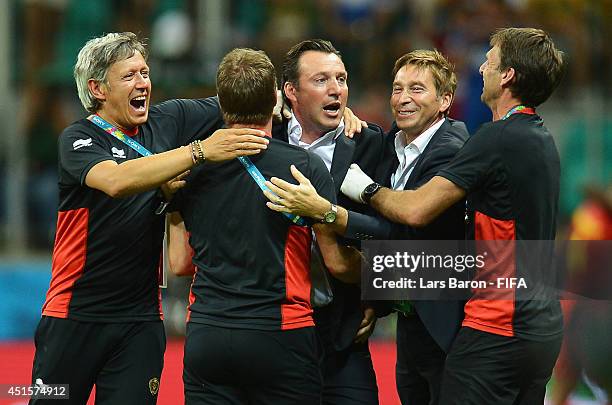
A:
[197,152]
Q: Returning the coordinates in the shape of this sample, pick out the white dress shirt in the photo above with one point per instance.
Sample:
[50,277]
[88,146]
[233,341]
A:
[321,293]
[324,146]
[408,154]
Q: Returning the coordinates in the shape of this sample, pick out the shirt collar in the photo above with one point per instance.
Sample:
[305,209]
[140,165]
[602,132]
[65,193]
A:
[421,141]
[294,131]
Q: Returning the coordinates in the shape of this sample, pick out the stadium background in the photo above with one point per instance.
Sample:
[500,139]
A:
[39,40]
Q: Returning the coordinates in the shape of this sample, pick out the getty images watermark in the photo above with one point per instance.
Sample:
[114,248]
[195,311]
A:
[404,261]
[495,270]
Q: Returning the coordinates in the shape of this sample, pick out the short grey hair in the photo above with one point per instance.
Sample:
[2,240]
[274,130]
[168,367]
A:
[97,56]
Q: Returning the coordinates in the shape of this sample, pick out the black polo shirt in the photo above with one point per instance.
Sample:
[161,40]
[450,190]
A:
[252,263]
[510,170]
[107,250]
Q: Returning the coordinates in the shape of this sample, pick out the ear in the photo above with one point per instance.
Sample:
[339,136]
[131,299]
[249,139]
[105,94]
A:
[507,76]
[97,89]
[290,90]
[447,100]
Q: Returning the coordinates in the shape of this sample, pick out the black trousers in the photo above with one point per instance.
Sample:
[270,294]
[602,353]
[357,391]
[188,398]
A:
[420,363]
[123,360]
[348,377]
[484,368]
[242,366]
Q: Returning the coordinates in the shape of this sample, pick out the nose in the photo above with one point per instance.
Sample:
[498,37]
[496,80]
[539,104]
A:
[141,81]
[405,97]
[334,87]
[481,68]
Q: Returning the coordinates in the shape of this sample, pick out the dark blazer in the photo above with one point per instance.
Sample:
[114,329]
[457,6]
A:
[441,318]
[338,322]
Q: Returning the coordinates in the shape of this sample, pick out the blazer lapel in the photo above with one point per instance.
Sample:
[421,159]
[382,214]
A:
[416,172]
[389,163]
[343,156]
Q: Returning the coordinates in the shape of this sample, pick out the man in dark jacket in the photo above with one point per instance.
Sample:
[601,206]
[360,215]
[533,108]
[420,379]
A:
[420,144]
[315,85]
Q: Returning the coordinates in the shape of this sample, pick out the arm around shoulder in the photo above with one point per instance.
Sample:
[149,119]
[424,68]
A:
[138,175]
[419,207]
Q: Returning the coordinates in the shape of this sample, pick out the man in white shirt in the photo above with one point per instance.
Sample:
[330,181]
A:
[315,86]
[423,90]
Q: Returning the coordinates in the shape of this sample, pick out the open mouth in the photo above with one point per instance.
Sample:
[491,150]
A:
[139,103]
[332,107]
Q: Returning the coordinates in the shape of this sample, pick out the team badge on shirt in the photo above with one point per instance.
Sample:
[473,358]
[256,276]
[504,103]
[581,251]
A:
[154,385]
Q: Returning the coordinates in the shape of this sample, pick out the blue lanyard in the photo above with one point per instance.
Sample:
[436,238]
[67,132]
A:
[99,121]
[260,180]
[519,109]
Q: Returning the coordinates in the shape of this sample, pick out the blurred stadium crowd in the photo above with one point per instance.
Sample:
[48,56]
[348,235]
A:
[188,37]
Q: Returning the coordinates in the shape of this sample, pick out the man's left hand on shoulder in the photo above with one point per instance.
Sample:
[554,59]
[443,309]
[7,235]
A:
[352,123]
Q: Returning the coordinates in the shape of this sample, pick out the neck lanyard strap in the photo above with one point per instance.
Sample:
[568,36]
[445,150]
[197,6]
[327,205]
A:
[99,121]
[519,109]
[246,162]
[260,180]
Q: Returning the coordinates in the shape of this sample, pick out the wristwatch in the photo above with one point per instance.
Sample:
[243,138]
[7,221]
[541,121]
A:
[369,191]
[330,216]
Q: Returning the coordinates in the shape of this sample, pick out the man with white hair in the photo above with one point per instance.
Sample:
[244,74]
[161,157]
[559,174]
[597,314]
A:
[102,318]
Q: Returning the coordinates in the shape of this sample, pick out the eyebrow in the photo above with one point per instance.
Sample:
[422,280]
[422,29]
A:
[328,73]
[410,83]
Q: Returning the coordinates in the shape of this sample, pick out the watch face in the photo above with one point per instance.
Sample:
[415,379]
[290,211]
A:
[329,217]
[371,188]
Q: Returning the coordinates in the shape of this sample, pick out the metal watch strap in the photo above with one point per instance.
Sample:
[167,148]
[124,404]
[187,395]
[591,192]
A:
[333,212]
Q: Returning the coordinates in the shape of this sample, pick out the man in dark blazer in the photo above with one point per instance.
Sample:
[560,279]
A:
[423,88]
[426,329]
[422,141]
[315,87]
